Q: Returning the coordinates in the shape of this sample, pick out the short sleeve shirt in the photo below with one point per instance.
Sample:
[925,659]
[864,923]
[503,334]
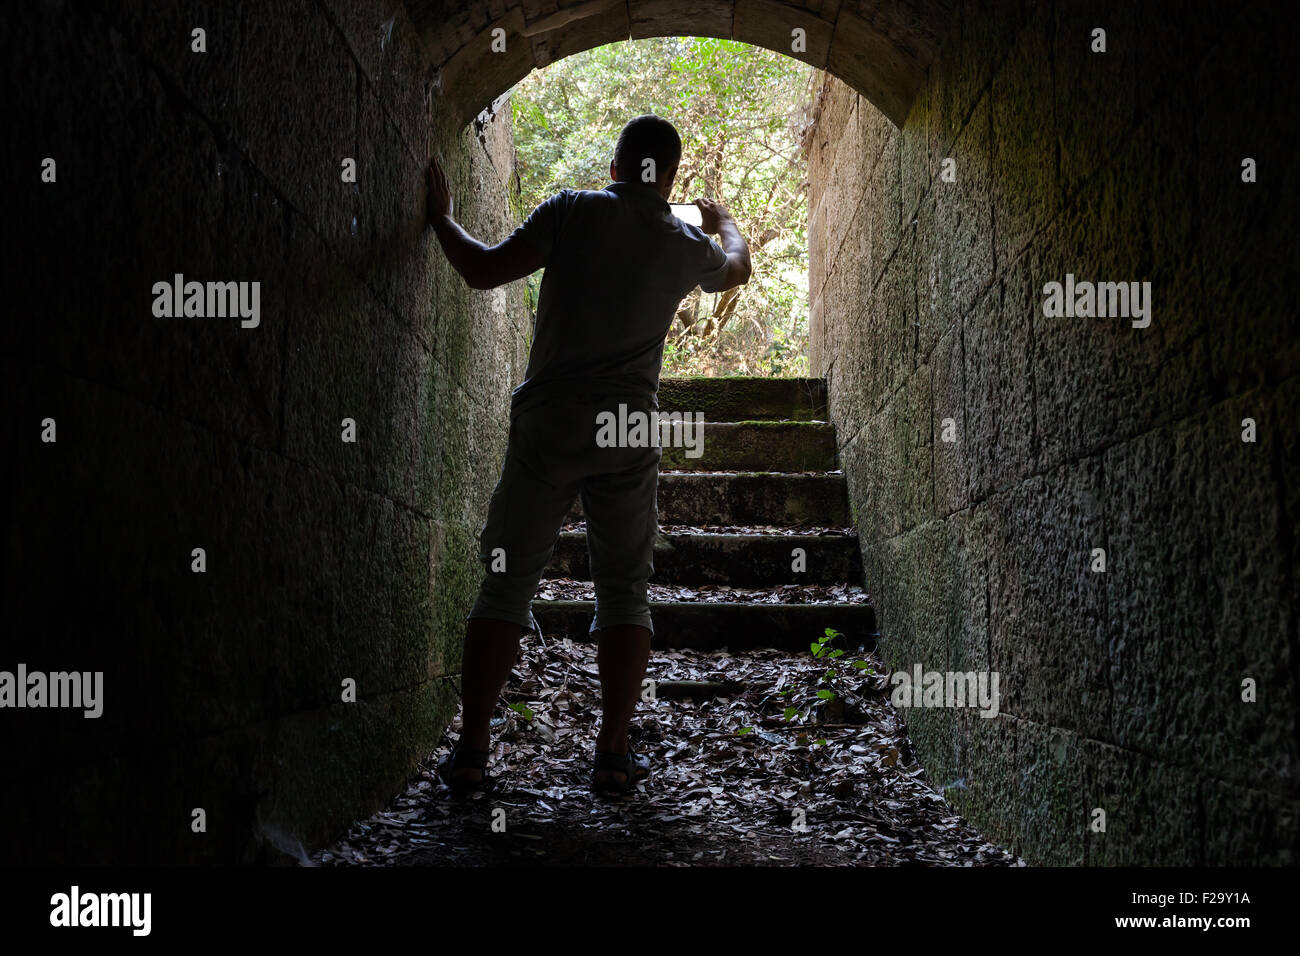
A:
[618,264]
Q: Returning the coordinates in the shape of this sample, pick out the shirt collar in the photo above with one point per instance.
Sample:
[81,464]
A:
[639,192]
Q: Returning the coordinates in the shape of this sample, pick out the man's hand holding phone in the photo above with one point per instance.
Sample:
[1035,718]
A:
[715,218]
[713,215]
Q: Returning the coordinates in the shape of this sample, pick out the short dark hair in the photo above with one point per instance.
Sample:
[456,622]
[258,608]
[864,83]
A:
[647,137]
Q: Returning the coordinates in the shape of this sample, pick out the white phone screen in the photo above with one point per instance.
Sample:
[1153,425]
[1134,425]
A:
[687,212]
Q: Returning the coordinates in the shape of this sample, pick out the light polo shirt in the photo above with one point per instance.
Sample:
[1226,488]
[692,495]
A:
[618,264]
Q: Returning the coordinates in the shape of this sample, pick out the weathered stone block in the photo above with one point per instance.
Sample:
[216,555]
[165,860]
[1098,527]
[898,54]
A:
[844,185]
[1051,642]
[297,132]
[818,263]
[609,26]
[916,165]
[1162,646]
[1172,38]
[985,785]
[971,54]
[875,130]
[211,79]
[1152,809]
[885,71]
[999,385]
[368,30]
[1133,380]
[458,579]
[911,435]
[850,396]
[1050,775]
[470,76]
[390,243]
[1287,448]
[768,24]
[948,418]
[820,359]
[1244,229]
[707,18]
[1026,188]
[350,359]
[374,746]
[1248,589]
[1249,827]
[964,219]
[1094,91]
[883,194]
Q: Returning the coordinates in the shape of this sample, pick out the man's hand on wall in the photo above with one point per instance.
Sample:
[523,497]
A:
[439,201]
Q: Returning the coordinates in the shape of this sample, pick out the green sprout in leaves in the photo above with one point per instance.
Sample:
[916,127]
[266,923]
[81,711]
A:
[522,709]
[817,698]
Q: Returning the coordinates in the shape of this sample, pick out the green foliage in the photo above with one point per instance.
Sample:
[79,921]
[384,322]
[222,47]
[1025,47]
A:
[522,709]
[741,112]
[822,692]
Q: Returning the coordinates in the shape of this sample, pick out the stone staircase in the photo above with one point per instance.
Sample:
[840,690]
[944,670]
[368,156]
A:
[767,483]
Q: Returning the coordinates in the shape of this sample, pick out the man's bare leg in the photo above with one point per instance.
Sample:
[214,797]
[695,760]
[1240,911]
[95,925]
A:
[491,648]
[622,656]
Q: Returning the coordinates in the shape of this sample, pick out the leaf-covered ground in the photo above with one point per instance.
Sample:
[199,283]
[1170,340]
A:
[760,759]
[567,589]
[669,530]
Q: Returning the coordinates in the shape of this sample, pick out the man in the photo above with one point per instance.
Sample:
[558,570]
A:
[618,263]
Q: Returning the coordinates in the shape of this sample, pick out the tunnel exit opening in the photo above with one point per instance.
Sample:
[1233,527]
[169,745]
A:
[479,53]
[742,113]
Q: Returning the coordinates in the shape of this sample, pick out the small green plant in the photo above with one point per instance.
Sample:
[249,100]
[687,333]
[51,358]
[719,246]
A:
[837,669]
[522,709]
[820,690]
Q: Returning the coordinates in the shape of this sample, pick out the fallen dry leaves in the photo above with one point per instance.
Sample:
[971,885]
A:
[715,797]
[567,589]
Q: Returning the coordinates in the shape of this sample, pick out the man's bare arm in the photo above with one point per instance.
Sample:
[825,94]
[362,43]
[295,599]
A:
[481,266]
[716,219]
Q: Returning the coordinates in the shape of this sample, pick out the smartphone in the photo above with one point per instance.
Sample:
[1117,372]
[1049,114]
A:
[687,212]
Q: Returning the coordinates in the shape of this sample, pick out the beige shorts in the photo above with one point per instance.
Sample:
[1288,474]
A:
[551,459]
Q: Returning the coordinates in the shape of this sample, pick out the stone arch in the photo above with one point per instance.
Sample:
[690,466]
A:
[881,48]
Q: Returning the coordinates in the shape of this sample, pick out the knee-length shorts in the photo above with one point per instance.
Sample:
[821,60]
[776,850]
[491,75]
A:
[552,457]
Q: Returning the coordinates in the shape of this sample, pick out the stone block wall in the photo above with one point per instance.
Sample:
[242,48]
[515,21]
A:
[326,560]
[1122,690]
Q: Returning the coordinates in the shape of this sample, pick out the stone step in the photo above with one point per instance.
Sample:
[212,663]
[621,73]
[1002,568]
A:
[747,498]
[739,560]
[754,446]
[746,399]
[791,627]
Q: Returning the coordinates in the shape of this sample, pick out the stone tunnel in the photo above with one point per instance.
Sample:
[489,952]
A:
[1100,507]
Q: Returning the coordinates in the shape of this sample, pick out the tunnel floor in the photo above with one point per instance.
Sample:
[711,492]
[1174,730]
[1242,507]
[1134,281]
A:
[835,783]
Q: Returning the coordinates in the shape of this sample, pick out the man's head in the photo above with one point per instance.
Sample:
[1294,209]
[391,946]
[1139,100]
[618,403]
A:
[647,152]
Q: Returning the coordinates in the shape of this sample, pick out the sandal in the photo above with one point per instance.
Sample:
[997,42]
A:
[634,767]
[460,759]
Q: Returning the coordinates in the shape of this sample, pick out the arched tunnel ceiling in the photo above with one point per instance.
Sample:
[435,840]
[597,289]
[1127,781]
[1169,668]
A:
[881,48]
